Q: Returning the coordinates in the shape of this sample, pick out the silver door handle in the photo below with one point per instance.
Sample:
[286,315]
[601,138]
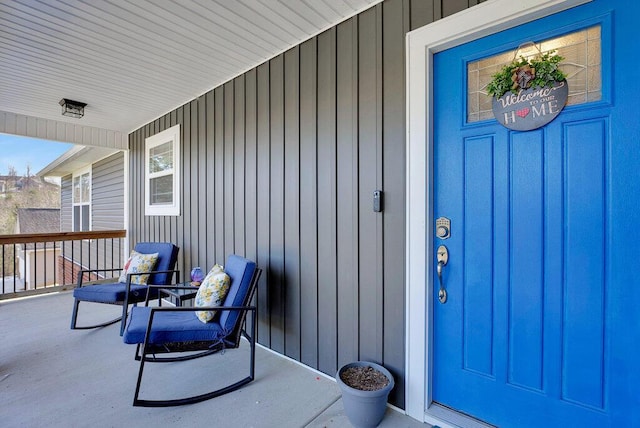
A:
[443,258]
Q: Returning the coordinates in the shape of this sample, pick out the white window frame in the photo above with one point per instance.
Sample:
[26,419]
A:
[78,174]
[171,135]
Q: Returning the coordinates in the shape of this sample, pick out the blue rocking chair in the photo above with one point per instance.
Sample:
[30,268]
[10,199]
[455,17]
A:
[126,293]
[178,334]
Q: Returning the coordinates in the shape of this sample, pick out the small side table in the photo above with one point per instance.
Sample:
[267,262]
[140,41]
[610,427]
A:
[181,294]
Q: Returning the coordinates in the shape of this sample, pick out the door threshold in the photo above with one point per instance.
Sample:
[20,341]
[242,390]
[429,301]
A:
[445,417]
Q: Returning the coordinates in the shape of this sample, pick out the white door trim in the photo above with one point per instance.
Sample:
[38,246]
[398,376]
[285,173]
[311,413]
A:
[473,23]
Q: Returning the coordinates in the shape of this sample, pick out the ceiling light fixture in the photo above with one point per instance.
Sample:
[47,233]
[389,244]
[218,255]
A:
[72,108]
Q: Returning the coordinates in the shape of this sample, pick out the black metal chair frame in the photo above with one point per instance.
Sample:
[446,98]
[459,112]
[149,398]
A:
[146,352]
[124,303]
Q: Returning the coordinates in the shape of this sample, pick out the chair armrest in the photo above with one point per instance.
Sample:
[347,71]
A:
[83,271]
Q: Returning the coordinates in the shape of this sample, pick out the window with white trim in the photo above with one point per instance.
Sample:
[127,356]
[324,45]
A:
[162,173]
[81,200]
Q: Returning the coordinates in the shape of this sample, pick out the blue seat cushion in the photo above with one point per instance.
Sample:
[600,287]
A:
[110,293]
[168,326]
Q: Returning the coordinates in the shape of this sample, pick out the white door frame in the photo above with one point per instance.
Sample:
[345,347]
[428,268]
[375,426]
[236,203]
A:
[470,24]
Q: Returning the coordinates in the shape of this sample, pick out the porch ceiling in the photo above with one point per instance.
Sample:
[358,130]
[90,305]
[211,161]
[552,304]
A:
[132,61]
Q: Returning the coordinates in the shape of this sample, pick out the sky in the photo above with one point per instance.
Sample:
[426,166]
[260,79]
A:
[20,152]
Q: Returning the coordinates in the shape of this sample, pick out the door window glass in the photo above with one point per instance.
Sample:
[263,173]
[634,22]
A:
[582,65]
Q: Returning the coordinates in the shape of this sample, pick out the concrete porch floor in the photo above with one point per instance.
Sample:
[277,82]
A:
[56,377]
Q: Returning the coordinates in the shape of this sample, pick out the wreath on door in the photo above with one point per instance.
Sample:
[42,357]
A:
[539,71]
[529,92]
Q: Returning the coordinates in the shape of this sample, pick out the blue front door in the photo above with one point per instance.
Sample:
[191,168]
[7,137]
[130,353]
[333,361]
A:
[540,326]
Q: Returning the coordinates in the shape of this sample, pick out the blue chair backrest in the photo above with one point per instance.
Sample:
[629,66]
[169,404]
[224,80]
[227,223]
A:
[167,257]
[240,271]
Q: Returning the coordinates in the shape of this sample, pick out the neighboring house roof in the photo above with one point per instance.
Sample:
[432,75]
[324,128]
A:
[38,220]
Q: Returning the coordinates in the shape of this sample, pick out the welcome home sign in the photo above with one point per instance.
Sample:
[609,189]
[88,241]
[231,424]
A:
[531,108]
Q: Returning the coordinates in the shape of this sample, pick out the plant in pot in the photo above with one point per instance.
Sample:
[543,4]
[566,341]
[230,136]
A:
[365,389]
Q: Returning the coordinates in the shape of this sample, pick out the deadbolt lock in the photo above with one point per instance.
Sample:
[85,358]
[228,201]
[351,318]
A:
[443,228]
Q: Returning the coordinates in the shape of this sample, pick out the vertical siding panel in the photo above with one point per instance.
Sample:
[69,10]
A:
[251,165]
[176,235]
[146,229]
[264,218]
[437,9]
[148,220]
[140,180]
[379,184]
[277,284]
[395,26]
[292,201]
[185,211]
[137,166]
[140,203]
[369,179]
[449,7]
[210,160]
[160,221]
[239,167]
[229,219]
[422,13]
[218,207]
[327,247]
[347,191]
[202,230]
[193,212]
[308,204]
[134,212]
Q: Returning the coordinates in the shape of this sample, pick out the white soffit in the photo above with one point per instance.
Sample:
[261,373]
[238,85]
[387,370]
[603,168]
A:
[132,61]
[74,159]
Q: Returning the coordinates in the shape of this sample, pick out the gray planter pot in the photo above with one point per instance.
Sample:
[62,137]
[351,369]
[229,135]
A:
[365,409]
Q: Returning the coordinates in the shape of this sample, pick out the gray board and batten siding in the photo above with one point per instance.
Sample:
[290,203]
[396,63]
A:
[280,164]
[107,213]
